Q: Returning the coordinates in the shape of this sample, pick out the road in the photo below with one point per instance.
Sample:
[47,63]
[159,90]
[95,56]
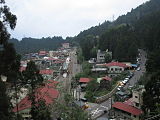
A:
[138,74]
[100,109]
[73,68]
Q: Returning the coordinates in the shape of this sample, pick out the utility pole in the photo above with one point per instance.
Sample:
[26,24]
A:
[113,17]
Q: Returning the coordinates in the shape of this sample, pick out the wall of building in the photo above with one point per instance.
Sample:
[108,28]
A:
[115,69]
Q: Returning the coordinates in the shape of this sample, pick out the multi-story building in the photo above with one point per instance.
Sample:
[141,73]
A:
[100,56]
[137,96]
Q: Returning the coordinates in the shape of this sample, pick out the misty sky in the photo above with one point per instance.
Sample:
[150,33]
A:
[43,18]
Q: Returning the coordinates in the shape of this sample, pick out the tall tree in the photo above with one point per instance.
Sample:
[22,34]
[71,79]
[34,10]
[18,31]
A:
[32,79]
[151,97]
[9,63]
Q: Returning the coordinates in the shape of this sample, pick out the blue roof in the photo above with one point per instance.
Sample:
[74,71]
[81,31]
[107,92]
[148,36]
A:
[134,65]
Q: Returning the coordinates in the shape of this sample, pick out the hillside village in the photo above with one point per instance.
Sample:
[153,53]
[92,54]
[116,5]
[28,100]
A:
[108,72]
[113,78]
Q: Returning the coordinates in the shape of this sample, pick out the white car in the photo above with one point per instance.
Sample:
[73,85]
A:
[138,69]
[119,87]
[124,81]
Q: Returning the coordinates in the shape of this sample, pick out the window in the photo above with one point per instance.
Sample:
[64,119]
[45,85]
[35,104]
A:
[136,96]
[115,69]
[111,69]
[137,104]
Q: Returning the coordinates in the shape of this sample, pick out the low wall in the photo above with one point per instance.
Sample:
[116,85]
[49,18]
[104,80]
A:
[107,96]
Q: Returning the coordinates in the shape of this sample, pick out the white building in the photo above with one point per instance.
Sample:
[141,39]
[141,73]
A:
[100,56]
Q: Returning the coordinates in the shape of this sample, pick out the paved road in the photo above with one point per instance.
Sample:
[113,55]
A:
[138,74]
[100,109]
[73,69]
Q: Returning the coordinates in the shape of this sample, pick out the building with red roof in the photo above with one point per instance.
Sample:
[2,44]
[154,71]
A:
[48,93]
[46,72]
[129,102]
[84,80]
[118,64]
[115,68]
[42,53]
[125,111]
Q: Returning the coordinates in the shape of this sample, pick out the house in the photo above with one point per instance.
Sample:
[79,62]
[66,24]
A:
[137,96]
[83,82]
[106,78]
[65,45]
[42,53]
[101,56]
[105,82]
[131,108]
[99,68]
[115,68]
[47,73]
[53,53]
[48,93]
[123,111]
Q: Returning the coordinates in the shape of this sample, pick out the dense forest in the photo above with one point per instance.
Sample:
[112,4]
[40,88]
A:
[27,45]
[136,29]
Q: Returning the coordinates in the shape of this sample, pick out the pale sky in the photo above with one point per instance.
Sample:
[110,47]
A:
[43,18]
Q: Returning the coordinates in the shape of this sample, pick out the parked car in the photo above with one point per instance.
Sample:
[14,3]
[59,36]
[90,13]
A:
[119,87]
[124,81]
[138,69]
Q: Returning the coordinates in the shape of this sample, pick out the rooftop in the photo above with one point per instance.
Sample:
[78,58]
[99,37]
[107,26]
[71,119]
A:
[84,80]
[47,71]
[127,108]
[116,64]
[46,92]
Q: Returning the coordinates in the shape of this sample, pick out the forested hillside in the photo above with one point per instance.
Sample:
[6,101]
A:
[136,29]
[27,45]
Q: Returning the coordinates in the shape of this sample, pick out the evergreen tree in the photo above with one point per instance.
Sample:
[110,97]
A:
[33,80]
[151,97]
[9,62]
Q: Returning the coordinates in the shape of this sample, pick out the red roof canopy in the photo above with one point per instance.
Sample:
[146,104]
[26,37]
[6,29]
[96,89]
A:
[47,93]
[47,71]
[116,64]
[84,80]
[127,108]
